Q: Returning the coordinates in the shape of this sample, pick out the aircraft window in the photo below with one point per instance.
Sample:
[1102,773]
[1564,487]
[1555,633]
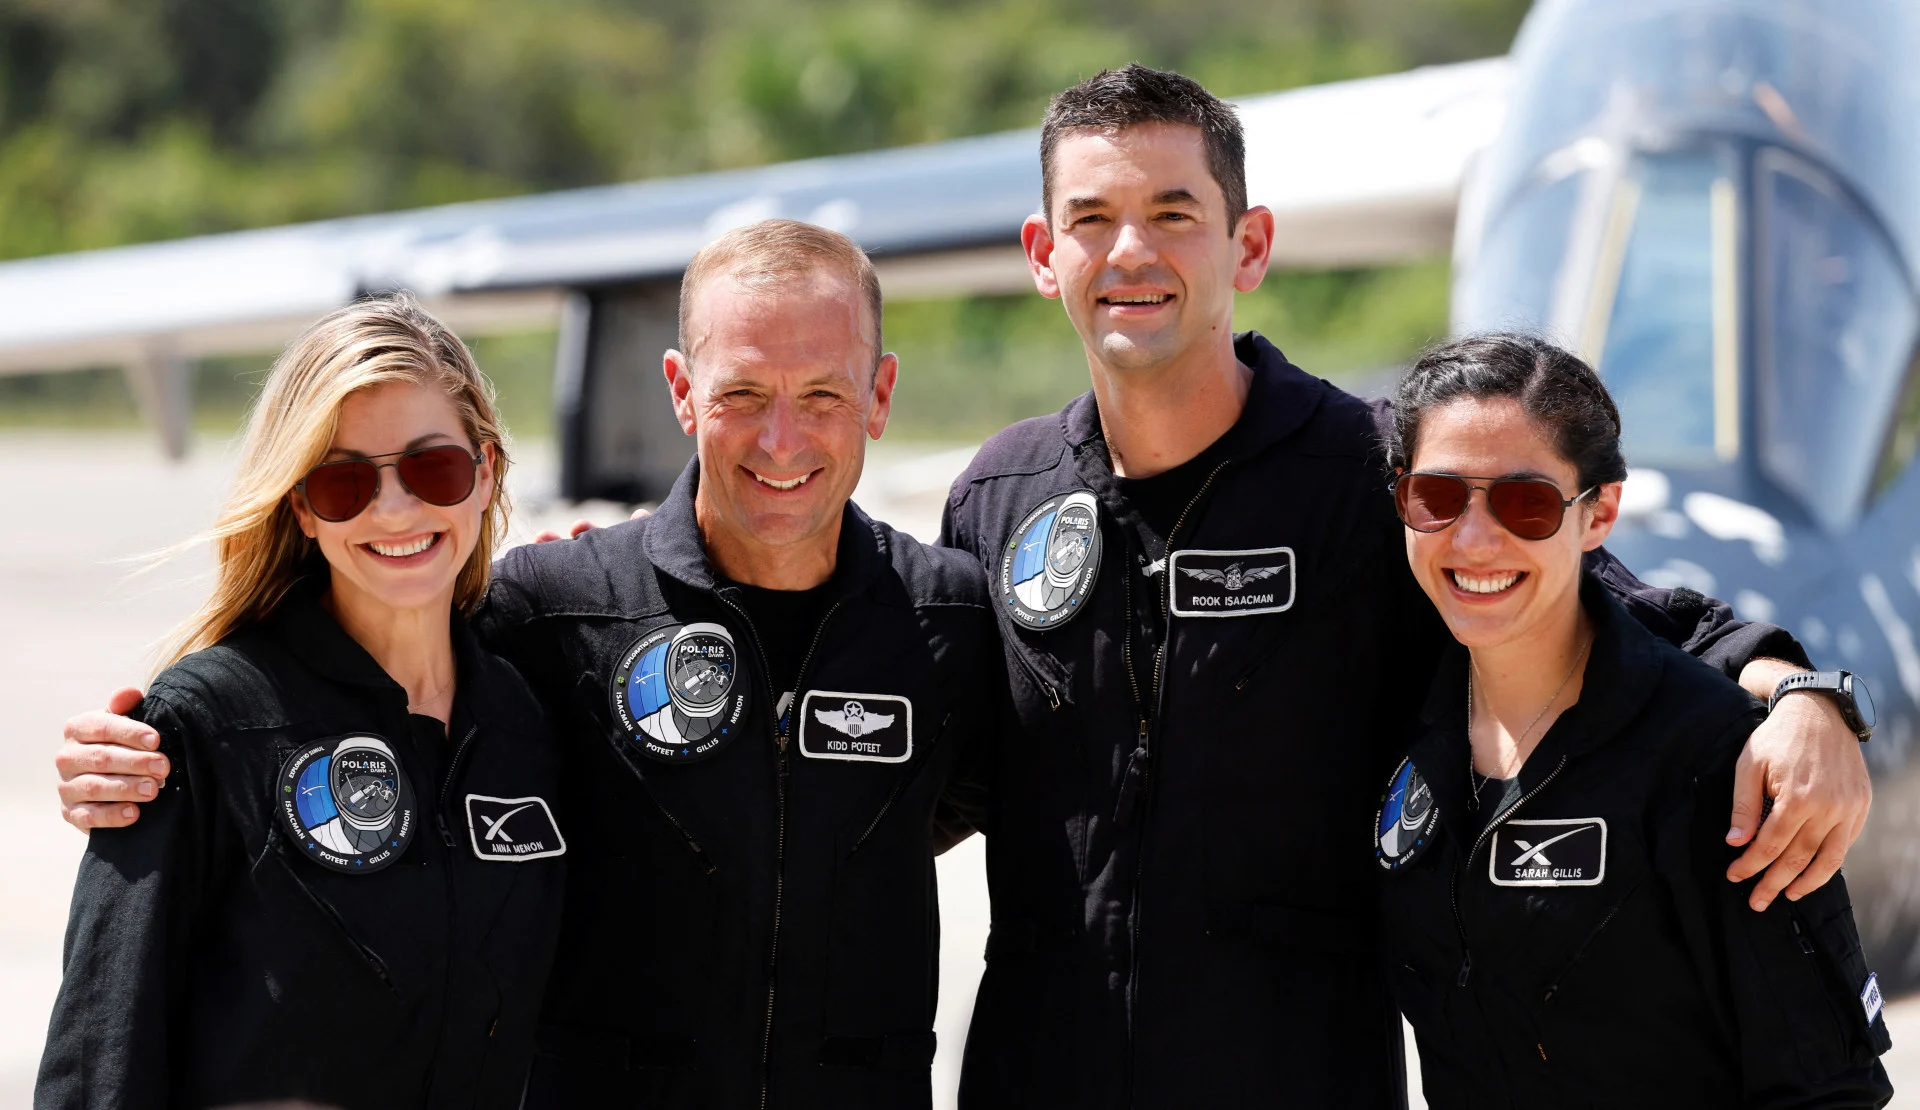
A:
[1511,285]
[1904,441]
[1836,339]
[1662,313]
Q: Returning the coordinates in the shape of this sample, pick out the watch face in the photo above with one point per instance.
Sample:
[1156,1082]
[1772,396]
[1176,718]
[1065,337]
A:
[1862,699]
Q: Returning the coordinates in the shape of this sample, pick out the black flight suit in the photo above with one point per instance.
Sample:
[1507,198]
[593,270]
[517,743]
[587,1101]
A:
[212,958]
[1575,942]
[760,925]
[1182,915]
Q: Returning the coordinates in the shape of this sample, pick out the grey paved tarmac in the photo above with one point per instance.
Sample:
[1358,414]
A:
[76,622]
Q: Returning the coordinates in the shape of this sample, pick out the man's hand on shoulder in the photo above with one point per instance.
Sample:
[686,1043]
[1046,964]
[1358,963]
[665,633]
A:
[578,527]
[107,762]
[1805,758]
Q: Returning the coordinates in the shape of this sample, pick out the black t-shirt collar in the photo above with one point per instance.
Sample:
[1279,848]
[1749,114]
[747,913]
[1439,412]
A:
[674,546]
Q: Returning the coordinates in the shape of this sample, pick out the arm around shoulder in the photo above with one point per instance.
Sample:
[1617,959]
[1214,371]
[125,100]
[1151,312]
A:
[127,941]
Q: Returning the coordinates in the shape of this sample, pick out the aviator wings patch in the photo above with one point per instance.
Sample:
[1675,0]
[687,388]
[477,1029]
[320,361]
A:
[861,728]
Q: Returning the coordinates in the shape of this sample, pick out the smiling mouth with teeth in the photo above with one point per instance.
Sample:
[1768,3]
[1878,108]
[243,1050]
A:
[1142,299]
[1486,583]
[402,550]
[779,484]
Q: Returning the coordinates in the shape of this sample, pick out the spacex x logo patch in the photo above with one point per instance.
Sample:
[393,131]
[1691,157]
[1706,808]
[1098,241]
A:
[510,830]
[1563,852]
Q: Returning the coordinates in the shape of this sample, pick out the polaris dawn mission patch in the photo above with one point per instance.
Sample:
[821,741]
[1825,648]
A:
[680,692]
[348,803]
[1404,825]
[1052,561]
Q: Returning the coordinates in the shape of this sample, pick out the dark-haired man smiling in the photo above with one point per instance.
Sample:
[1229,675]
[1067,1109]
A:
[1216,651]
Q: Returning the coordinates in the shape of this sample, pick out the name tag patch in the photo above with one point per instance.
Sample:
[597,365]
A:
[1870,999]
[512,830]
[866,728]
[1231,583]
[1562,852]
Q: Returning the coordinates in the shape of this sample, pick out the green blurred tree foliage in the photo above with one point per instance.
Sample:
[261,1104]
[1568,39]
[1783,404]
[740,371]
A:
[132,120]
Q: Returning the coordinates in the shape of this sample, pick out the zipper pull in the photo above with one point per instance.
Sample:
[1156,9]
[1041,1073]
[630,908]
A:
[1133,781]
[446,834]
[1466,968]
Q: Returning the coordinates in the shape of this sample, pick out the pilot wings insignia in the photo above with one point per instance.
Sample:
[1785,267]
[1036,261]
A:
[853,719]
[1232,576]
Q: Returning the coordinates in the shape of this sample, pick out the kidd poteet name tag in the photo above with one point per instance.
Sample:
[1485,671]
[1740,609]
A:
[863,728]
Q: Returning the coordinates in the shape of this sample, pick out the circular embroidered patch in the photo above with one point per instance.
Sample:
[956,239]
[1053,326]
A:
[348,803]
[680,692]
[1052,561]
[1404,826]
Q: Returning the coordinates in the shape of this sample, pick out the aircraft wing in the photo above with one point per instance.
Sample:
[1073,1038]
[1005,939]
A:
[1357,172]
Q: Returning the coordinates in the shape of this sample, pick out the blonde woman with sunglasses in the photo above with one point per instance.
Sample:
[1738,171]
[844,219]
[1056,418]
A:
[345,891]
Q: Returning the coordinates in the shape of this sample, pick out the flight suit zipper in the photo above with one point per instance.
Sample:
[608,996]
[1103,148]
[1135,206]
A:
[446,876]
[782,726]
[1453,891]
[1134,786]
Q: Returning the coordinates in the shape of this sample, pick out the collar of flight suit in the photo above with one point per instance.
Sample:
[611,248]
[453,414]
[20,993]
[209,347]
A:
[673,544]
[1622,670]
[1280,400]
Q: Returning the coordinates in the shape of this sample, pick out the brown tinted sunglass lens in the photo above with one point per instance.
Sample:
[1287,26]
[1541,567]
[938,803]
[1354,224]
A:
[438,475]
[339,491]
[1530,510]
[1430,502]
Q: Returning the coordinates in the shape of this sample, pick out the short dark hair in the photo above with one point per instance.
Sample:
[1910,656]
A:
[1554,386]
[1134,94]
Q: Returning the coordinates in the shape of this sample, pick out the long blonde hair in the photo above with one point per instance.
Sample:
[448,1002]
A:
[258,547]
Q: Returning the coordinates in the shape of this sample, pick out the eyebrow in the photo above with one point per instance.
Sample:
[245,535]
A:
[415,442]
[1176,196]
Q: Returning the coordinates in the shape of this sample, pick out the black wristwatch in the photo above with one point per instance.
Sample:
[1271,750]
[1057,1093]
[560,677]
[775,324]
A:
[1847,692]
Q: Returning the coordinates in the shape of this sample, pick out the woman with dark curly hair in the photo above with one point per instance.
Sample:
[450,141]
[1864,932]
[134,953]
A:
[1558,927]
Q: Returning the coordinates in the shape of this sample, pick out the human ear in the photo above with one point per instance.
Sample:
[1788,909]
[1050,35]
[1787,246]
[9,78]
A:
[302,515]
[1600,514]
[1254,234]
[885,375]
[679,374]
[1036,238]
[483,478]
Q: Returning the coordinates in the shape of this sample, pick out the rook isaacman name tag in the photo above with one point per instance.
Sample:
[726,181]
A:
[1563,852]
[865,728]
[1231,583]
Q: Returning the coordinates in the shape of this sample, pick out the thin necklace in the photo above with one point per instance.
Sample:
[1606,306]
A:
[1474,779]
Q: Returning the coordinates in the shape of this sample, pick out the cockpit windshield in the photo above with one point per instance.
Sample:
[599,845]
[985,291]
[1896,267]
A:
[1662,310]
[1836,340]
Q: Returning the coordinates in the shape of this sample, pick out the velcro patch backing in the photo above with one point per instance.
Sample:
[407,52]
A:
[864,728]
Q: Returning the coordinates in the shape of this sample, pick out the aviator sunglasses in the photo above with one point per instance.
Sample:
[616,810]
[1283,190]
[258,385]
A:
[340,491]
[1530,508]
